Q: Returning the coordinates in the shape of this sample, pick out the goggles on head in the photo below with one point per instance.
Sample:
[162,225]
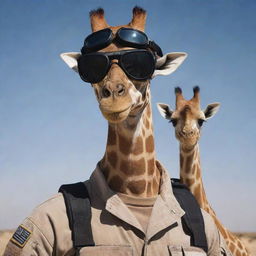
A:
[125,36]
[138,64]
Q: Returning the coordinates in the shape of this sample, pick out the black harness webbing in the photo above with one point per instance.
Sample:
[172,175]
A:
[78,208]
[193,217]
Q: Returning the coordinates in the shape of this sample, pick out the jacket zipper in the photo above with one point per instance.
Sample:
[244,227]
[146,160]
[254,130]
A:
[145,247]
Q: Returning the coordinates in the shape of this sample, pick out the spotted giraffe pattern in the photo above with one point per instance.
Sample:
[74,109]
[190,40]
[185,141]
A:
[187,119]
[129,163]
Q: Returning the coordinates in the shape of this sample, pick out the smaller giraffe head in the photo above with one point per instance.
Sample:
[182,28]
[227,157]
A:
[188,117]
[118,95]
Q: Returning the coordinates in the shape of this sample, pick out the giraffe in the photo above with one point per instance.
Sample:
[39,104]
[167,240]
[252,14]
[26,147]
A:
[129,162]
[187,120]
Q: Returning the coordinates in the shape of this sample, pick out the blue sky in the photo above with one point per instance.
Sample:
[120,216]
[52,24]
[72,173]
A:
[52,131]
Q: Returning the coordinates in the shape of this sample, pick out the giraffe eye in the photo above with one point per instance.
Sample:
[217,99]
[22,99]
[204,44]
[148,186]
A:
[200,122]
[174,121]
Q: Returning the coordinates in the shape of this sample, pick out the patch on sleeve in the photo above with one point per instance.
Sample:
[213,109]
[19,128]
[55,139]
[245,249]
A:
[21,236]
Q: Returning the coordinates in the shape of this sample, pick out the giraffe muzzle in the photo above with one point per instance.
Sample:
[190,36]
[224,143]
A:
[116,116]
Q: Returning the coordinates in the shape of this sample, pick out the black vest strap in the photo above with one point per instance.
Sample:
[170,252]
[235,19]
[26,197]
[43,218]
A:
[78,208]
[79,214]
[193,217]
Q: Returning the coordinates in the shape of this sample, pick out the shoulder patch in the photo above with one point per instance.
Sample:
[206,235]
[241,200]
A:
[21,236]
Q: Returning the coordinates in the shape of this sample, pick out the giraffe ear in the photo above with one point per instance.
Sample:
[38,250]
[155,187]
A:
[169,63]
[70,58]
[165,110]
[211,110]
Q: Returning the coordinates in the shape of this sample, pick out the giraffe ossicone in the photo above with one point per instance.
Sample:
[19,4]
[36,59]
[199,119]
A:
[187,119]
[129,163]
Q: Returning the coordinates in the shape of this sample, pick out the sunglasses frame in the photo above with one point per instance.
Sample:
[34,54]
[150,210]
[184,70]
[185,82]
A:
[109,56]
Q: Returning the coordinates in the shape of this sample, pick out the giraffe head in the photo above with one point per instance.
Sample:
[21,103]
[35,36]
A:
[118,95]
[188,118]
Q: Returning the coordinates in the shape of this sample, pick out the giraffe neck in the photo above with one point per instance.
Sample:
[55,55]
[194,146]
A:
[129,161]
[191,175]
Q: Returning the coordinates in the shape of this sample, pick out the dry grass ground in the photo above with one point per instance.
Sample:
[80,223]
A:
[249,240]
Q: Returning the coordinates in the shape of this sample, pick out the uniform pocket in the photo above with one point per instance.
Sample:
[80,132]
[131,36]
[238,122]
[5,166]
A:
[175,250]
[185,251]
[107,250]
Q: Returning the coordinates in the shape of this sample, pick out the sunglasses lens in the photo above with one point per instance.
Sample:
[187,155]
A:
[98,38]
[93,68]
[132,36]
[139,65]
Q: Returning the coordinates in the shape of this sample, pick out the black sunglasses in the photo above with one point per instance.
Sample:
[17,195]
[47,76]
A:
[137,64]
[124,36]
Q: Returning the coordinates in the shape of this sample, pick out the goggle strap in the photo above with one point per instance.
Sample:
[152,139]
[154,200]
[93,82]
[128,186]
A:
[156,48]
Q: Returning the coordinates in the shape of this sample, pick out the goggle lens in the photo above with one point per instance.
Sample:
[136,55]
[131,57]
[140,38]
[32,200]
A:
[133,36]
[97,39]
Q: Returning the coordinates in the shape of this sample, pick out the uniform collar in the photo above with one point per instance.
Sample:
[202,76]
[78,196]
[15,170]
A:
[170,212]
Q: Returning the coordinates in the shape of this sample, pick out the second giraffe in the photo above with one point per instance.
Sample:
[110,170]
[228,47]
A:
[187,120]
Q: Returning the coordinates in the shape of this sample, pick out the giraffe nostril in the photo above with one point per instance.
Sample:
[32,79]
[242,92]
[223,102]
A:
[106,92]
[186,133]
[120,90]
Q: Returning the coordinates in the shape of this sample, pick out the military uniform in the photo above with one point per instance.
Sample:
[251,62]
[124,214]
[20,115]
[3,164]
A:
[121,225]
